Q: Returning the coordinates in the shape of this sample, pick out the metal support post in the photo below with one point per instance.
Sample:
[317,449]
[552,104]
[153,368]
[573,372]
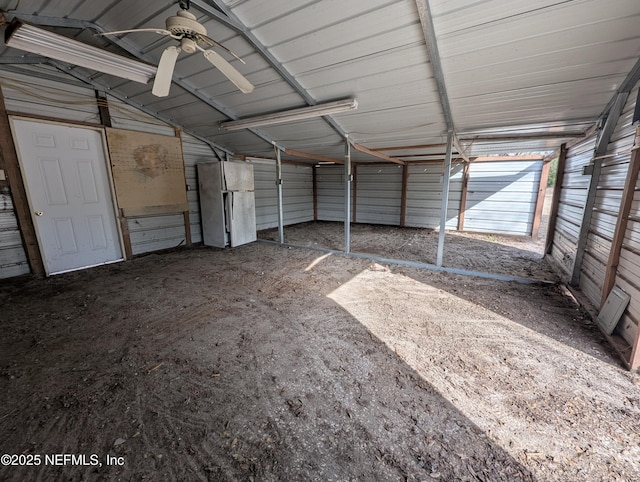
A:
[279,185]
[347,196]
[445,198]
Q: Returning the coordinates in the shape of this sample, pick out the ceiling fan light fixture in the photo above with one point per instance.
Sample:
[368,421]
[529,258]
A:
[32,39]
[291,115]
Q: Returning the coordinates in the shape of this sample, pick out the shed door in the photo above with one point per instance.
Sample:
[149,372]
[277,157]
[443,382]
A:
[502,196]
[69,193]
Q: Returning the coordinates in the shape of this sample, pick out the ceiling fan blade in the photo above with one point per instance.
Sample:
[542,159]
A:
[209,41]
[164,75]
[159,31]
[228,70]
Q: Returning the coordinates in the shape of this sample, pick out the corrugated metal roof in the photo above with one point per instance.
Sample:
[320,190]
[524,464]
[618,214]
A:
[511,66]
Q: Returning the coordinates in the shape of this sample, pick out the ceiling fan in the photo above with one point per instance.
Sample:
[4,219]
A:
[193,37]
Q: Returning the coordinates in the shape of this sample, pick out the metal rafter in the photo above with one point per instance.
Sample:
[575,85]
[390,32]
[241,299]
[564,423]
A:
[233,22]
[428,30]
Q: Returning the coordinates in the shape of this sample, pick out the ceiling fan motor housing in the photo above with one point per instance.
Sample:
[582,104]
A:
[184,24]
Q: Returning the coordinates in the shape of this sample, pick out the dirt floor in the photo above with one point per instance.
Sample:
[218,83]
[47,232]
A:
[265,363]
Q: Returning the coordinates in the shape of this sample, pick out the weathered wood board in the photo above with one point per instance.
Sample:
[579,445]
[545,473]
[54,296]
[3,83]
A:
[148,172]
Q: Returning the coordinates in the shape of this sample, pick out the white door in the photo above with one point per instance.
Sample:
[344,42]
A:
[69,194]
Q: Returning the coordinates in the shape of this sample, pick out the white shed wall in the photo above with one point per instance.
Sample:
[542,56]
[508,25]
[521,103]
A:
[378,194]
[297,193]
[502,196]
[64,100]
[573,196]
[13,260]
[330,184]
[607,206]
[424,195]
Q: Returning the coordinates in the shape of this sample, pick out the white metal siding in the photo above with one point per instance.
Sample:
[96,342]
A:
[49,98]
[378,194]
[607,206]
[124,116]
[424,195]
[501,196]
[297,194]
[573,196]
[13,259]
[608,203]
[153,233]
[297,191]
[330,180]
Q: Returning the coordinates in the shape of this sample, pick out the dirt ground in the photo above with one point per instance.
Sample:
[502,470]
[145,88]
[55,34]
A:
[266,363]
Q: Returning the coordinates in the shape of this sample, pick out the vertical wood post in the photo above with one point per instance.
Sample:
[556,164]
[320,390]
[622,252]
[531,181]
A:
[463,197]
[185,214]
[634,360]
[542,190]
[126,236]
[103,109]
[622,221]
[187,228]
[9,162]
[403,195]
[555,204]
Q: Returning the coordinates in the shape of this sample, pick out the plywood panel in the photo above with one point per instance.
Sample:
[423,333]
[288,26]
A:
[148,172]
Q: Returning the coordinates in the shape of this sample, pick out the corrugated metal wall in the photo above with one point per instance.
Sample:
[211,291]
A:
[330,180]
[607,206]
[378,194]
[67,101]
[297,193]
[378,191]
[603,223]
[36,96]
[424,195]
[13,260]
[628,275]
[501,197]
[42,97]
[573,196]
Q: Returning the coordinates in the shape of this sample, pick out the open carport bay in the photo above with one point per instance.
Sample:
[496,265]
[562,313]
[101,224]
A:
[290,364]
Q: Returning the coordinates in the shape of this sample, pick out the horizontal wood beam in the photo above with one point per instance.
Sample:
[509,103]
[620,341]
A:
[405,148]
[521,137]
[366,150]
[315,157]
[507,158]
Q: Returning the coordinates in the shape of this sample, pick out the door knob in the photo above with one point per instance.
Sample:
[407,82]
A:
[39,213]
